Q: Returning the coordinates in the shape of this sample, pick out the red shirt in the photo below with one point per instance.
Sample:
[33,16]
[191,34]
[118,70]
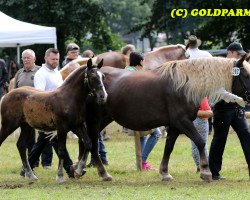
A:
[204,104]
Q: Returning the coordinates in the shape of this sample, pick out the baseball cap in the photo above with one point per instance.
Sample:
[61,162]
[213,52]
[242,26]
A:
[235,46]
[72,46]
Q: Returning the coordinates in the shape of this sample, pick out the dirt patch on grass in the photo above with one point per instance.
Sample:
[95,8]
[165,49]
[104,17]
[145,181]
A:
[11,186]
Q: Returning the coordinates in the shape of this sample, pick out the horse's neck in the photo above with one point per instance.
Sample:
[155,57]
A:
[76,86]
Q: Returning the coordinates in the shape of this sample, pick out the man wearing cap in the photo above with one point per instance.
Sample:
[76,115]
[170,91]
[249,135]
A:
[226,114]
[201,122]
[72,53]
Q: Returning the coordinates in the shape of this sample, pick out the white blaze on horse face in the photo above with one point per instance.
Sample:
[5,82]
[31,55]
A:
[103,88]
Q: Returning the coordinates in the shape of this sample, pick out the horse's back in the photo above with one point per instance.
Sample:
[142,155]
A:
[113,59]
[163,54]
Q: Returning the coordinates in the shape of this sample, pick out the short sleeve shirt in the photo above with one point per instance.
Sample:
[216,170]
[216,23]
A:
[46,79]
[25,78]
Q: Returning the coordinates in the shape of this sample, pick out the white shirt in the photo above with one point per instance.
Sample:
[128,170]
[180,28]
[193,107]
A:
[197,53]
[47,79]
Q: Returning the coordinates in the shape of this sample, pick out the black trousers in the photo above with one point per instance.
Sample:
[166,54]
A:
[39,147]
[223,118]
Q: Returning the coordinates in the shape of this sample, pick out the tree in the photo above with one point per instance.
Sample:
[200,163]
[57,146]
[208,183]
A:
[218,31]
[73,19]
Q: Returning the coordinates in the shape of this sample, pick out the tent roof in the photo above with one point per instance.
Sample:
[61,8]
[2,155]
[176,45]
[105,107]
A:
[14,32]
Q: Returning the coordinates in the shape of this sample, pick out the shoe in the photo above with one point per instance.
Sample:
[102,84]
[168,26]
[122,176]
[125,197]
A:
[217,178]
[47,167]
[105,162]
[106,137]
[146,166]
[124,130]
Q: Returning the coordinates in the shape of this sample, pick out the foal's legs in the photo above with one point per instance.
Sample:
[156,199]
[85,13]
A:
[100,168]
[62,135]
[85,146]
[22,143]
[188,128]
[169,146]
[95,123]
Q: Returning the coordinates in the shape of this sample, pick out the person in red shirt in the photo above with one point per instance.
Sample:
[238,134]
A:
[202,126]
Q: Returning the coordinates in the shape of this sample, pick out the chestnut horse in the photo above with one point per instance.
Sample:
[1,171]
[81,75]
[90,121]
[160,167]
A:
[167,96]
[62,109]
[156,58]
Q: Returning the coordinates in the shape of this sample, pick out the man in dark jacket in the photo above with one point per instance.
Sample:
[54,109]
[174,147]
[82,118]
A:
[226,115]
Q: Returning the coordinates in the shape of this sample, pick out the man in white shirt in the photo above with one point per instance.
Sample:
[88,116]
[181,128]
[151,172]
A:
[201,122]
[193,43]
[48,78]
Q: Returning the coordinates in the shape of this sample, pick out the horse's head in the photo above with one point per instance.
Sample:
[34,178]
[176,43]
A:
[241,80]
[185,54]
[95,81]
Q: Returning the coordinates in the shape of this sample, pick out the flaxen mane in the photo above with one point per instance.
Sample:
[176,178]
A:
[200,77]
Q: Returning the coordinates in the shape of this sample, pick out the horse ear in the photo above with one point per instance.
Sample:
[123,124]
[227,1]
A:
[241,60]
[100,64]
[89,63]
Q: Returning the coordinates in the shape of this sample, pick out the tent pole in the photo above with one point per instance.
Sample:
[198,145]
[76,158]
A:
[18,53]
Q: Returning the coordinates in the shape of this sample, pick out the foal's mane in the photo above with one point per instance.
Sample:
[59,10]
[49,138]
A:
[200,77]
[75,74]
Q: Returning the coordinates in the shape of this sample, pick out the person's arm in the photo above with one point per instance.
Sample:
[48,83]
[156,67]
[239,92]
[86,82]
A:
[205,113]
[205,110]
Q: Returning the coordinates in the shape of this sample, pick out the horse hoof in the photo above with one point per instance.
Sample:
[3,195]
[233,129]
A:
[60,179]
[34,178]
[167,177]
[31,177]
[78,175]
[206,176]
[107,178]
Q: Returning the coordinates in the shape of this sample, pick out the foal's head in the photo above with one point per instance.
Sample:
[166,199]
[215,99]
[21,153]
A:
[95,81]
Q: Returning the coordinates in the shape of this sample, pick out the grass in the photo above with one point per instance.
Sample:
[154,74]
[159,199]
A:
[127,182]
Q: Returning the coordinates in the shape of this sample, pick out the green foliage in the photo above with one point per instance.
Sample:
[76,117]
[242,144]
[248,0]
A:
[103,40]
[218,31]
[73,19]
[122,15]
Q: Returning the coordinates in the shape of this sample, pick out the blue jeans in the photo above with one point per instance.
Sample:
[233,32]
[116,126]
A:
[202,127]
[148,143]
[223,118]
[101,149]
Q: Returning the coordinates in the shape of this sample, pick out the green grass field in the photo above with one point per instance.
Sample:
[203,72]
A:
[127,182]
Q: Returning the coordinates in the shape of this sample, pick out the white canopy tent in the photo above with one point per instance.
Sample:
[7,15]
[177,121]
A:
[15,33]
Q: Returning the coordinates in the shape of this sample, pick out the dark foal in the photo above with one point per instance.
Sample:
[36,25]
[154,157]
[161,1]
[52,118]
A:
[168,96]
[62,109]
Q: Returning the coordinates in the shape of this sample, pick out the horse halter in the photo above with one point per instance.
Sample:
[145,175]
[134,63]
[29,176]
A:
[92,90]
[236,74]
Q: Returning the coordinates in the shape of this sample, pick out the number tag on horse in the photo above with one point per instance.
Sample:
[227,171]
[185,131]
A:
[236,71]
